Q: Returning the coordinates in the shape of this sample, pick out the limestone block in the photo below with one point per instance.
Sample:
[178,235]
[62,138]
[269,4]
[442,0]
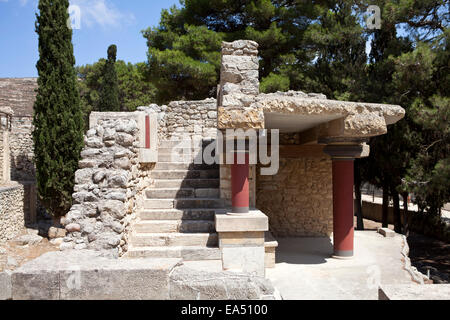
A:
[386,232]
[86,275]
[231,239]
[244,258]
[5,285]
[414,292]
[190,284]
[255,220]
[244,118]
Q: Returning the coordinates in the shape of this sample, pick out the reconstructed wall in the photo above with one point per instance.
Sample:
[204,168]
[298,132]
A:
[22,149]
[13,208]
[106,185]
[2,155]
[298,200]
[186,119]
[110,183]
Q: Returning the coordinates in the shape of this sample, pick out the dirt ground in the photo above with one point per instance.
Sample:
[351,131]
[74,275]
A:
[427,254]
[13,256]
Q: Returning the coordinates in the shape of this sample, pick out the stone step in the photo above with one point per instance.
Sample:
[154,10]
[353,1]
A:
[192,253]
[181,150]
[175,193]
[185,174]
[174,239]
[172,226]
[176,214]
[185,166]
[187,183]
[182,143]
[183,203]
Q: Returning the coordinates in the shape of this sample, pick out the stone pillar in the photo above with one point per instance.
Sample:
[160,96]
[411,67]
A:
[343,156]
[5,165]
[239,85]
[241,241]
[240,196]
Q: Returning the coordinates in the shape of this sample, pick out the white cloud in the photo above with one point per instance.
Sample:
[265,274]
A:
[22,2]
[102,13]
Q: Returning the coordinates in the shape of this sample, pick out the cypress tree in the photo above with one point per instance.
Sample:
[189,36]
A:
[109,95]
[58,118]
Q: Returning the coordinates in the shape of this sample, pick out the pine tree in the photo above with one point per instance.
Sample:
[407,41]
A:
[58,119]
[109,94]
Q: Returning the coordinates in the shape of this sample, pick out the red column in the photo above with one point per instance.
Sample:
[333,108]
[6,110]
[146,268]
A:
[240,186]
[343,207]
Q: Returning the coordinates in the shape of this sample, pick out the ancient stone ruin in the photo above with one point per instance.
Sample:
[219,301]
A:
[141,191]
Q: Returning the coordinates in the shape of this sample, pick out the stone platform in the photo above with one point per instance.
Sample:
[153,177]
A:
[85,275]
[414,292]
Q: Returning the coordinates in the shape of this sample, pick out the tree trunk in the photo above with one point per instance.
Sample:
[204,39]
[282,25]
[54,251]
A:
[405,196]
[385,208]
[397,217]
[358,204]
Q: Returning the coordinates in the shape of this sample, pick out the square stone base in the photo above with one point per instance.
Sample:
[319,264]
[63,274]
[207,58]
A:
[241,241]
[246,259]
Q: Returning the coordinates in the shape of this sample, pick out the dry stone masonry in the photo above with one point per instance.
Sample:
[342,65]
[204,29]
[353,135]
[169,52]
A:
[298,200]
[238,86]
[106,185]
[12,211]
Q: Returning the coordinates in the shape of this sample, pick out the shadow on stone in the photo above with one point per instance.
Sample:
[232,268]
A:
[303,250]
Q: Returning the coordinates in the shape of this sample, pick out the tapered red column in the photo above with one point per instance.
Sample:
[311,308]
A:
[343,229]
[239,184]
[343,156]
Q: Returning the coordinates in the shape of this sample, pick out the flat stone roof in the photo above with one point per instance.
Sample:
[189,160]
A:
[298,111]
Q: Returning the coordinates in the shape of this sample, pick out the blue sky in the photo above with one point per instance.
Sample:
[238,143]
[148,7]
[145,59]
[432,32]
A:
[102,22]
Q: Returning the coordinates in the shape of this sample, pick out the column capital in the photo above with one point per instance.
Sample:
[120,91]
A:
[347,151]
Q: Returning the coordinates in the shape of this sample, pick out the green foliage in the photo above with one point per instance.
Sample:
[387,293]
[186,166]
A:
[409,70]
[58,118]
[109,91]
[274,82]
[133,88]
[183,66]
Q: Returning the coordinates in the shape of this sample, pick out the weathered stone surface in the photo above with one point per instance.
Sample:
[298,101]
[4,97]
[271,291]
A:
[5,285]
[386,232]
[86,275]
[359,119]
[298,200]
[12,211]
[239,85]
[73,227]
[30,239]
[244,118]
[414,292]
[189,284]
[115,208]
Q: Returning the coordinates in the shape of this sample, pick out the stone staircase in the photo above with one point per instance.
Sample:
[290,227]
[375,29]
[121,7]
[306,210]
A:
[177,220]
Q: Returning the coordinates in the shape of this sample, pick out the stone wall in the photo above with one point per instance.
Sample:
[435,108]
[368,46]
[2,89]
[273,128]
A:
[2,155]
[186,119]
[107,185]
[239,85]
[22,149]
[110,183]
[13,208]
[298,200]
